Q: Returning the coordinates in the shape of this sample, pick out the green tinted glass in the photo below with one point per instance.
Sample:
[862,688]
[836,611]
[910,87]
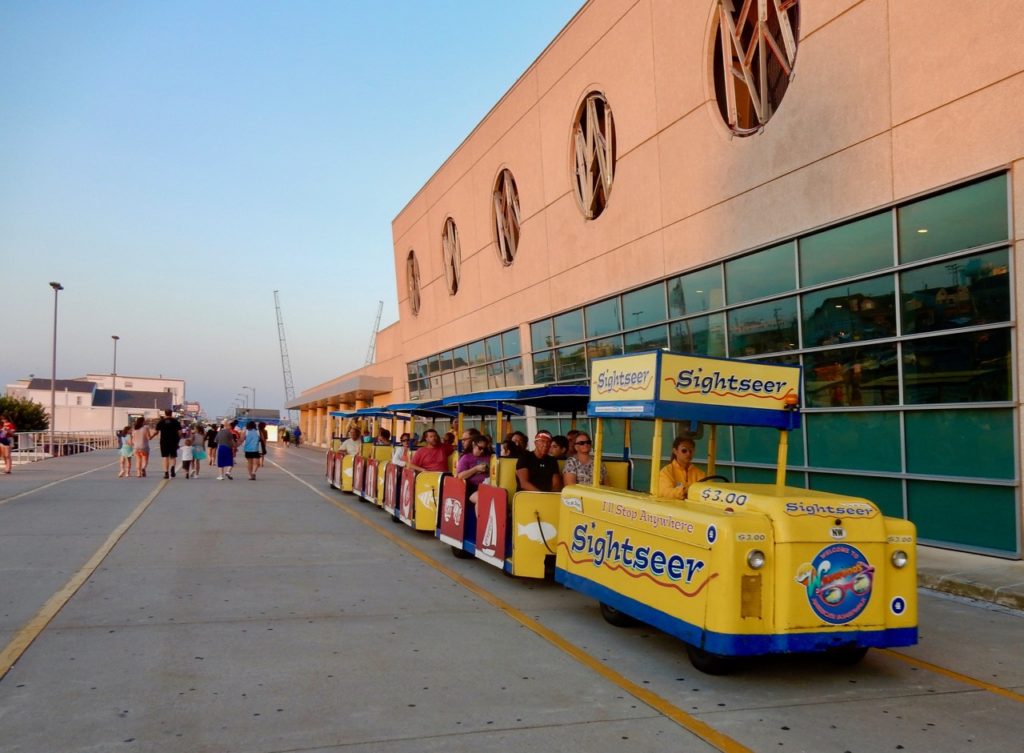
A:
[966,514]
[696,291]
[495,375]
[492,346]
[544,367]
[975,443]
[861,441]
[763,328]
[745,475]
[476,352]
[644,306]
[852,249]
[651,338]
[569,327]
[461,357]
[761,445]
[612,441]
[762,274]
[603,318]
[510,343]
[966,291]
[851,376]
[967,368]
[862,310]
[953,221]
[606,346]
[887,493]
[704,335]
[540,334]
[572,365]
[513,372]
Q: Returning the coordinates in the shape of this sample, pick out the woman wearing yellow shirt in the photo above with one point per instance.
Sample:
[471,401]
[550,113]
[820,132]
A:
[676,477]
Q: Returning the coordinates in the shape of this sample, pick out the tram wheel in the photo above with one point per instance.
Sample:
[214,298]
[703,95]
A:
[461,554]
[619,619]
[846,656]
[709,663]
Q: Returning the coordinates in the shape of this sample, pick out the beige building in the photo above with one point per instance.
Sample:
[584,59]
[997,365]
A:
[837,184]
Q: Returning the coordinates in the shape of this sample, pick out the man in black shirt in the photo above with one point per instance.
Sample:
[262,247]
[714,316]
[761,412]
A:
[169,429]
[537,471]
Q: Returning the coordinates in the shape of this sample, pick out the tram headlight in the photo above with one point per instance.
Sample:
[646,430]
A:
[755,559]
[899,559]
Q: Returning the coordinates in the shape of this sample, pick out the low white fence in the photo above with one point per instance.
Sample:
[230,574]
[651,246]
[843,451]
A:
[30,446]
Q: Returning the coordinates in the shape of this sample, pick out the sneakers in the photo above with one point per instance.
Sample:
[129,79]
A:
[252,476]
[165,475]
[220,478]
[230,477]
[173,474]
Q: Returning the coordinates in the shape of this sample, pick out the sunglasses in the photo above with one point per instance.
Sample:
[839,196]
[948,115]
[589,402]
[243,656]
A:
[583,443]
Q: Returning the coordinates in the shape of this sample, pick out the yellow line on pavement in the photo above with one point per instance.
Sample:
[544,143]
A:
[24,637]
[704,731]
[53,483]
[953,675]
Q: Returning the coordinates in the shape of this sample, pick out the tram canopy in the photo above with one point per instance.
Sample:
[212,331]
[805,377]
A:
[559,398]
[684,387]
[422,409]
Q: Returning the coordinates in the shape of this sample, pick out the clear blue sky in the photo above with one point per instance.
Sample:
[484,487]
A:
[172,163]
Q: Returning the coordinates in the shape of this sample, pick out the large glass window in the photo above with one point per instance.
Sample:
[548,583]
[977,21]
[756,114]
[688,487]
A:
[476,352]
[644,306]
[492,346]
[572,365]
[959,293]
[847,250]
[963,368]
[544,367]
[868,441]
[887,493]
[956,220]
[704,335]
[975,443]
[761,445]
[608,346]
[851,377]
[569,327]
[541,335]
[651,338]
[513,372]
[510,342]
[763,328]
[603,318]
[695,292]
[861,310]
[765,273]
[966,514]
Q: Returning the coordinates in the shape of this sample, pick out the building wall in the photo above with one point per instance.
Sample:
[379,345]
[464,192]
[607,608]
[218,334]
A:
[890,99]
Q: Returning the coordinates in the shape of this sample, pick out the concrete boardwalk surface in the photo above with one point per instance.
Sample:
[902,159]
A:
[280,615]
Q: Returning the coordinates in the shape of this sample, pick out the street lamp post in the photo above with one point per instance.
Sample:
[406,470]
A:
[57,287]
[113,384]
[253,394]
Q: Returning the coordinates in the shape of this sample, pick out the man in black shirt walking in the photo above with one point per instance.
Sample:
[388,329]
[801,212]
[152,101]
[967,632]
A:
[169,429]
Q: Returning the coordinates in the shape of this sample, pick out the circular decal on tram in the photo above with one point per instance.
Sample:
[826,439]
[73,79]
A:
[712,534]
[898,605]
[837,582]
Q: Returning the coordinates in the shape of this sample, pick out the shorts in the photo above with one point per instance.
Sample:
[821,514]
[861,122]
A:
[225,456]
[169,450]
[252,455]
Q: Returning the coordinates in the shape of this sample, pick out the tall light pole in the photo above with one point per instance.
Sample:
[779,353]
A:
[113,384]
[253,394]
[57,287]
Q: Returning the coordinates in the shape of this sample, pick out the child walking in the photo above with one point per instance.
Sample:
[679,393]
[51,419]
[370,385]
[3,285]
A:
[187,454]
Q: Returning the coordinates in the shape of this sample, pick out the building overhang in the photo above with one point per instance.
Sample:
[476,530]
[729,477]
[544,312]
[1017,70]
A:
[362,388]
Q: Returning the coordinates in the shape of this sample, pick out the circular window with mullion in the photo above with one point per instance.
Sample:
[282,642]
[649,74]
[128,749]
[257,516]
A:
[452,255]
[506,216]
[412,281]
[754,54]
[593,147]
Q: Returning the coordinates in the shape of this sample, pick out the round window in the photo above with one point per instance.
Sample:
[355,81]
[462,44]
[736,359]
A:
[593,145]
[755,50]
[506,216]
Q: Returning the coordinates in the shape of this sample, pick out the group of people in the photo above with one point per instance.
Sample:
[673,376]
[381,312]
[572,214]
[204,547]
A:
[536,469]
[191,445]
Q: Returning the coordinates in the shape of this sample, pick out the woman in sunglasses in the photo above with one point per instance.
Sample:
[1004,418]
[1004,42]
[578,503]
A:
[579,467]
[676,477]
[473,465]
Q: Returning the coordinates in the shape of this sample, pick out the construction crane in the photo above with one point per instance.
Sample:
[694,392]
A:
[286,366]
[373,336]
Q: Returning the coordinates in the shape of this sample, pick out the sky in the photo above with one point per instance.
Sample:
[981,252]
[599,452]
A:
[171,164]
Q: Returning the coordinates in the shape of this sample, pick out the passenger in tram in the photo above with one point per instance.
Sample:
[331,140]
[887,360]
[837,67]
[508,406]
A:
[383,438]
[571,436]
[466,445]
[401,451]
[537,471]
[579,468]
[514,445]
[449,440]
[351,445]
[559,447]
[432,457]
[676,477]
[473,466]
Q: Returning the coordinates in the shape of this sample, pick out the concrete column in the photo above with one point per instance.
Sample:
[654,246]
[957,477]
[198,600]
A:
[318,428]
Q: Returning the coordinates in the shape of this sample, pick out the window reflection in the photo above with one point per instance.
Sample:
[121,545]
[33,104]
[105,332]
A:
[966,291]
[462,381]
[696,292]
[969,367]
[863,310]
[544,367]
[571,363]
[495,375]
[603,318]
[644,306]
[703,335]
[510,342]
[540,334]
[608,346]
[514,372]
[847,250]
[569,327]
[763,328]
[492,346]
[762,274]
[476,352]
[851,376]
[651,338]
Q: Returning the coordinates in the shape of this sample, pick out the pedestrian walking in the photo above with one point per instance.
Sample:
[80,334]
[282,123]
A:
[251,448]
[141,434]
[262,427]
[211,445]
[297,435]
[198,448]
[169,429]
[187,456]
[225,452]
[7,431]
[126,452]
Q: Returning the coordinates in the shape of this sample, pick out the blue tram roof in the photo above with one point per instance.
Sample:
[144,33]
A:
[562,398]
[422,408]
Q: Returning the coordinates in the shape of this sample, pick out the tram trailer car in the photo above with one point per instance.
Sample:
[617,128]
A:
[734,569]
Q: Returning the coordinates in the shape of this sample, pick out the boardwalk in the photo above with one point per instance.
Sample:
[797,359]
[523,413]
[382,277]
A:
[279,615]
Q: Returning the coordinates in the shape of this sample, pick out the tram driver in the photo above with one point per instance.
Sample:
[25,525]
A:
[676,477]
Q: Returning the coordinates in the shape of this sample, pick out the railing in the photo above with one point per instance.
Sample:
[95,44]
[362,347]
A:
[30,446]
